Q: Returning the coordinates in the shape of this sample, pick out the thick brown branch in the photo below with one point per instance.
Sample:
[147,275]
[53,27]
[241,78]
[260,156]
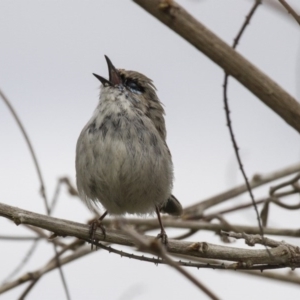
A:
[279,255]
[179,20]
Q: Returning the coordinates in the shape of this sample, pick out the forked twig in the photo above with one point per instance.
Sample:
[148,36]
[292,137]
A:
[229,123]
[196,210]
[190,29]
[274,197]
[38,169]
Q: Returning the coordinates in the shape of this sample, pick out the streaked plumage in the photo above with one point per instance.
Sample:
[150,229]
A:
[122,159]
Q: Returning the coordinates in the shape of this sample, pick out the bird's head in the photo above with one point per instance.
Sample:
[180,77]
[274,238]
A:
[135,83]
[138,89]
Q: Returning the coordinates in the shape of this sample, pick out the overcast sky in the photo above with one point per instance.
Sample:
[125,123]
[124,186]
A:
[49,50]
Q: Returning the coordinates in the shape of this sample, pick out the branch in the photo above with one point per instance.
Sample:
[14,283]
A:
[38,169]
[275,199]
[196,210]
[292,278]
[280,255]
[35,275]
[156,248]
[290,10]
[210,216]
[229,122]
[252,240]
[198,225]
[179,20]
[30,147]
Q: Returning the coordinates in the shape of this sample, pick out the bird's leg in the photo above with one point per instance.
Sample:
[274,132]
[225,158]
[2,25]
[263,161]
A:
[162,235]
[93,228]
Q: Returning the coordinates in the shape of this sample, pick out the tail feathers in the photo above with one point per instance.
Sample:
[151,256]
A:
[172,207]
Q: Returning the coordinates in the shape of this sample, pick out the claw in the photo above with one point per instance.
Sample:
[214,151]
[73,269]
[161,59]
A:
[164,238]
[93,228]
[162,235]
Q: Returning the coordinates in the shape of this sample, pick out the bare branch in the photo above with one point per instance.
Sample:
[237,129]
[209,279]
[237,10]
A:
[246,23]
[200,225]
[62,181]
[31,276]
[290,10]
[274,198]
[247,205]
[284,184]
[18,238]
[38,169]
[29,288]
[67,228]
[179,20]
[29,144]
[288,278]
[196,210]
[25,259]
[228,119]
[252,240]
[156,248]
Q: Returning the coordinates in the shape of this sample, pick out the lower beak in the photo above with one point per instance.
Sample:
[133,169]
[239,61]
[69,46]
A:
[114,77]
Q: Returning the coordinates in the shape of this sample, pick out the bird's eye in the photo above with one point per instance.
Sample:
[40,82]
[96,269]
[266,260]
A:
[133,86]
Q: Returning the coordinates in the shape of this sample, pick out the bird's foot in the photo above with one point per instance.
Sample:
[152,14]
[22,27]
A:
[163,236]
[94,224]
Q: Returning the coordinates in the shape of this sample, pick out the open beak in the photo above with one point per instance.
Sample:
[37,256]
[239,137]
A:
[114,77]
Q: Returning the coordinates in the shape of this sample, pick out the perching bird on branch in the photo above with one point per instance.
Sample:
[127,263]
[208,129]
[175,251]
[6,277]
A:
[122,159]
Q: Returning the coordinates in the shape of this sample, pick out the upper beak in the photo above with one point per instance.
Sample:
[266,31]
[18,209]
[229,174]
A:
[114,77]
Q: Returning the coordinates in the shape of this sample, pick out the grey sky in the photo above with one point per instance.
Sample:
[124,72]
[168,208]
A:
[49,50]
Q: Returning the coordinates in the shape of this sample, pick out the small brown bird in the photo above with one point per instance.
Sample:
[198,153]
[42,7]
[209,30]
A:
[122,159]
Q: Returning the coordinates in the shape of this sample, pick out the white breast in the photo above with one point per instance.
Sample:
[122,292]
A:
[121,160]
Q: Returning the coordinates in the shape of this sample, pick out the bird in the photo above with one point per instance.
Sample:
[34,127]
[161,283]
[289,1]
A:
[122,158]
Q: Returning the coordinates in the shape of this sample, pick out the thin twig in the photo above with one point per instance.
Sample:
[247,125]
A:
[233,63]
[72,246]
[38,169]
[290,10]
[19,238]
[26,258]
[233,209]
[40,232]
[284,184]
[283,205]
[186,235]
[274,198]
[229,122]
[200,225]
[32,249]
[156,248]
[61,273]
[72,191]
[29,144]
[29,288]
[252,240]
[196,210]
[288,278]
[246,205]
[246,23]
[52,265]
